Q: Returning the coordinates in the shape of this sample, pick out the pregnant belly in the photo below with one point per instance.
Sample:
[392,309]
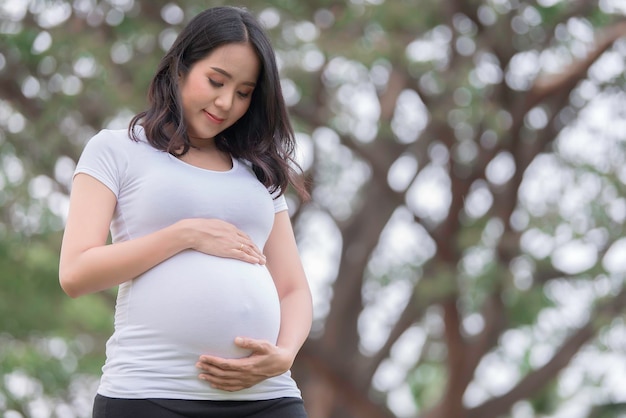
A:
[200,303]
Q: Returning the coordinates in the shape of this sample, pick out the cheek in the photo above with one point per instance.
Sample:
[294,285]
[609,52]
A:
[187,96]
[194,89]
[242,108]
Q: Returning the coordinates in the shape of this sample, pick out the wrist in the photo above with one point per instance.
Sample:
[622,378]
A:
[184,234]
[288,354]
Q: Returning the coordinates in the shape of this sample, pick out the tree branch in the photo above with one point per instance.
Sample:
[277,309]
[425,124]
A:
[535,380]
[336,375]
[548,85]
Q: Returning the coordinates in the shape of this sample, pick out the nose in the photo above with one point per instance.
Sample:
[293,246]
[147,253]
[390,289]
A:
[224,100]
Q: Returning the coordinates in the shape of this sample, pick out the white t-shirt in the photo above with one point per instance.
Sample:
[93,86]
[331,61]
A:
[191,303]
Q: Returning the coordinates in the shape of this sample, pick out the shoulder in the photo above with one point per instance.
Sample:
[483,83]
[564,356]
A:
[114,142]
[115,137]
[109,147]
[107,139]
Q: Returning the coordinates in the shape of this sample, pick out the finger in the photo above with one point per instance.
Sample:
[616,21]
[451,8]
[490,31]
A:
[253,259]
[249,252]
[252,344]
[222,378]
[230,387]
[220,363]
[242,235]
[217,374]
[243,238]
[228,383]
[210,359]
[228,379]
[209,368]
[248,246]
[219,383]
[225,367]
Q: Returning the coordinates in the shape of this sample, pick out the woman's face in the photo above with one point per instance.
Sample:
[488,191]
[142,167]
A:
[217,90]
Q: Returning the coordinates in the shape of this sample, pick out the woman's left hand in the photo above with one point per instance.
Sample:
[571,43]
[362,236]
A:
[267,360]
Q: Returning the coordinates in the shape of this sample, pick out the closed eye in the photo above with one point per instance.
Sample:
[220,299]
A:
[215,83]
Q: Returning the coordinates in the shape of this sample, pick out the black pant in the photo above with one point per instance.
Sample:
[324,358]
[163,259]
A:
[105,407]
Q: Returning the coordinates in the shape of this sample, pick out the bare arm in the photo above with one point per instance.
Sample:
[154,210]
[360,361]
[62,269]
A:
[283,262]
[89,265]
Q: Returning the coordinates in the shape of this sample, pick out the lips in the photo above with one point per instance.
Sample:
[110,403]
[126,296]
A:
[214,118]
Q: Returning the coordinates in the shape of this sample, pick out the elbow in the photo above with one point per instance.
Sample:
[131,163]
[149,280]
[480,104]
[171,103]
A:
[68,285]
[69,289]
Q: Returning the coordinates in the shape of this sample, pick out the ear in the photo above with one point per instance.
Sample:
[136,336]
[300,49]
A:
[180,78]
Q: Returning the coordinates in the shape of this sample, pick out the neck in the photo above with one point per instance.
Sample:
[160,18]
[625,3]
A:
[203,144]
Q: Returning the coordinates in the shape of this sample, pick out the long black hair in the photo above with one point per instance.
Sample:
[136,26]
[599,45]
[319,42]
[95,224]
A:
[263,135]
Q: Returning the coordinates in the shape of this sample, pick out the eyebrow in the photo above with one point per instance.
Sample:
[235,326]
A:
[228,75]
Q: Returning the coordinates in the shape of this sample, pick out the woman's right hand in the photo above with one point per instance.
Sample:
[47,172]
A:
[222,239]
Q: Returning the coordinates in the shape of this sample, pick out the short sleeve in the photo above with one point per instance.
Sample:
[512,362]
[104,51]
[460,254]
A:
[103,159]
[280,203]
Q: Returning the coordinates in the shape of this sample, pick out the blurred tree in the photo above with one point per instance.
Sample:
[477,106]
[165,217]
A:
[466,161]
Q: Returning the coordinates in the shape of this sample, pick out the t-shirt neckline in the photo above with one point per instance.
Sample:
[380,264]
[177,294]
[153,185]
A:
[230,170]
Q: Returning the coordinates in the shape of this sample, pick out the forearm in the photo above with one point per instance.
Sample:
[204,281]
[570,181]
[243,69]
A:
[296,318]
[106,266]
[285,266]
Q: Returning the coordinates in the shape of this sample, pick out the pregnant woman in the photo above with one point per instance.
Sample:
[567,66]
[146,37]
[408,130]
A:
[213,303]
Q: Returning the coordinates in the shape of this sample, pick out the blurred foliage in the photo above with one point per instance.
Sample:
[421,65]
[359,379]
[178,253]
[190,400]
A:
[465,92]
